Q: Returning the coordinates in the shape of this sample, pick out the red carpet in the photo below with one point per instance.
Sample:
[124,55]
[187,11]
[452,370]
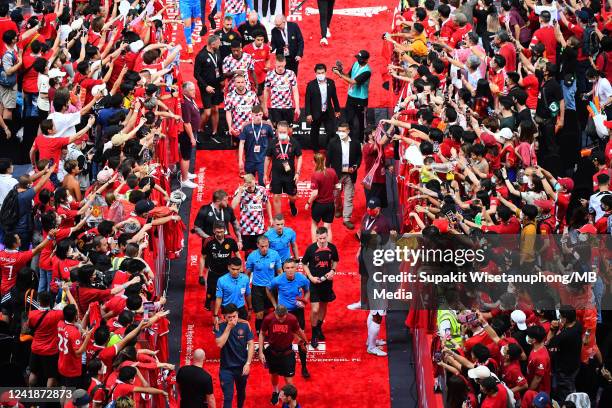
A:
[356,25]
[342,375]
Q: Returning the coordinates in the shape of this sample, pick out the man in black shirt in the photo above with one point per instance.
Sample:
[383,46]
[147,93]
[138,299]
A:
[320,261]
[550,112]
[249,28]
[282,153]
[216,253]
[227,35]
[207,71]
[217,210]
[565,345]
[195,384]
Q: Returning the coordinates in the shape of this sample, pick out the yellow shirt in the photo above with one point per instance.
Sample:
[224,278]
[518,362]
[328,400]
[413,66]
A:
[528,240]
[418,46]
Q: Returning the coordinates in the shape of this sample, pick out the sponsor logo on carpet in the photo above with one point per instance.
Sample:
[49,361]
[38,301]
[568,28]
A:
[353,12]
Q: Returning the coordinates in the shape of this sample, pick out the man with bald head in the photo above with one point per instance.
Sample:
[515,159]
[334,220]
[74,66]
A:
[195,384]
[249,28]
[287,40]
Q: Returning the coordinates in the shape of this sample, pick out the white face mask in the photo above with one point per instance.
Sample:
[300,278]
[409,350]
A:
[321,77]
[343,135]
[283,136]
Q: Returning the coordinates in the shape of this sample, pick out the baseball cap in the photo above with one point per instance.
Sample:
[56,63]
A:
[519,317]
[144,206]
[479,373]
[136,46]
[96,89]
[105,174]
[374,202]
[588,229]
[583,15]
[119,139]
[545,205]
[363,54]
[56,73]
[504,133]
[542,400]
[566,182]
[80,398]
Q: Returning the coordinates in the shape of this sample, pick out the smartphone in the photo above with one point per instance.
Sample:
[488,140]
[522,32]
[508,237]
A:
[148,308]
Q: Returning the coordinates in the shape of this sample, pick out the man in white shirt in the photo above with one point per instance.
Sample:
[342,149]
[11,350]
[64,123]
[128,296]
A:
[603,181]
[65,123]
[7,182]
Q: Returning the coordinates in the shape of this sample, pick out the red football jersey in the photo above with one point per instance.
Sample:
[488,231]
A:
[11,262]
[45,337]
[69,364]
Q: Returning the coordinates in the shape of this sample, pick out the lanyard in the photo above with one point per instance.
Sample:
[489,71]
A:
[283,153]
[215,58]
[256,134]
[284,33]
[193,102]
[215,214]
[369,224]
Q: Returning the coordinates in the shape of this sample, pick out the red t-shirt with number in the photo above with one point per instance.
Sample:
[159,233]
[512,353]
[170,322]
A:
[69,364]
[45,337]
[11,262]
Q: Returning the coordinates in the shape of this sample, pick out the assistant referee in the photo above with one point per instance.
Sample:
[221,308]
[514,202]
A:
[279,329]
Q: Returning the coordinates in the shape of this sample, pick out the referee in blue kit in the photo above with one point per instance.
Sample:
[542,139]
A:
[262,266]
[293,293]
[233,288]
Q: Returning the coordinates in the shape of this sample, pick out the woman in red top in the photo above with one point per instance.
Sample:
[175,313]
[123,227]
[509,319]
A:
[323,183]
[64,261]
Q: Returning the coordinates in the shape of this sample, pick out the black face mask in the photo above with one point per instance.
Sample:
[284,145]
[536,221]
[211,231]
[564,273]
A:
[361,61]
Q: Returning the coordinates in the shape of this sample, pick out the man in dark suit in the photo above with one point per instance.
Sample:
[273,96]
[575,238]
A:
[344,156]
[322,106]
[287,40]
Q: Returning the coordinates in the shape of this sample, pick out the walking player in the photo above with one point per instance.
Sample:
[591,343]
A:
[279,329]
[293,293]
[320,261]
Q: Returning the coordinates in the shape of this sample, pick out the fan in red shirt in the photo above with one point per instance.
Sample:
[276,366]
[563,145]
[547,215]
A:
[12,260]
[546,35]
[106,354]
[538,363]
[6,24]
[506,49]
[511,370]
[71,346]
[495,394]
[124,386]
[44,356]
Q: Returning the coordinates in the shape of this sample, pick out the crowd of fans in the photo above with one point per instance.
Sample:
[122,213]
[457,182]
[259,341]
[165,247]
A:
[504,112]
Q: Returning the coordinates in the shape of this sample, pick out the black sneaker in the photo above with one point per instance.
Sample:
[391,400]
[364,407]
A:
[320,334]
[305,373]
[211,19]
[274,399]
[314,340]
[216,139]
[203,31]
[294,210]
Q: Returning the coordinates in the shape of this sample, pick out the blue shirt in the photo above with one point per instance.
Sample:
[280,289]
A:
[263,268]
[280,243]
[234,353]
[569,95]
[233,290]
[256,139]
[289,290]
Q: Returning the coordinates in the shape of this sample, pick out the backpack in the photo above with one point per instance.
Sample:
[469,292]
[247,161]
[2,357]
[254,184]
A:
[590,42]
[9,213]
[8,81]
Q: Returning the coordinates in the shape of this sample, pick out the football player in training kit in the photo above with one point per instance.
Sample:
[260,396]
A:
[320,261]
[216,254]
[279,328]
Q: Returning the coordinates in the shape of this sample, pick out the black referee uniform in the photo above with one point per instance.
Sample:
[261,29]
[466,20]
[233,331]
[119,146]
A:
[217,255]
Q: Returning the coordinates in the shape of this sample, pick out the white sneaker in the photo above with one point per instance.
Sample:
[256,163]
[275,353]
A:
[188,184]
[379,343]
[354,306]
[191,176]
[328,33]
[323,41]
[377,352]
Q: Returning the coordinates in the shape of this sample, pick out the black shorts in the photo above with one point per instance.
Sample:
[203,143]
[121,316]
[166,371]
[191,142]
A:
[283,184]
[213,99]
[259,299]
[44,366]
[211,289]
[185,146]
[249,242]
[72,382]
[282,363]
[322,292]
[299,314]
[277,115]
[323,212]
